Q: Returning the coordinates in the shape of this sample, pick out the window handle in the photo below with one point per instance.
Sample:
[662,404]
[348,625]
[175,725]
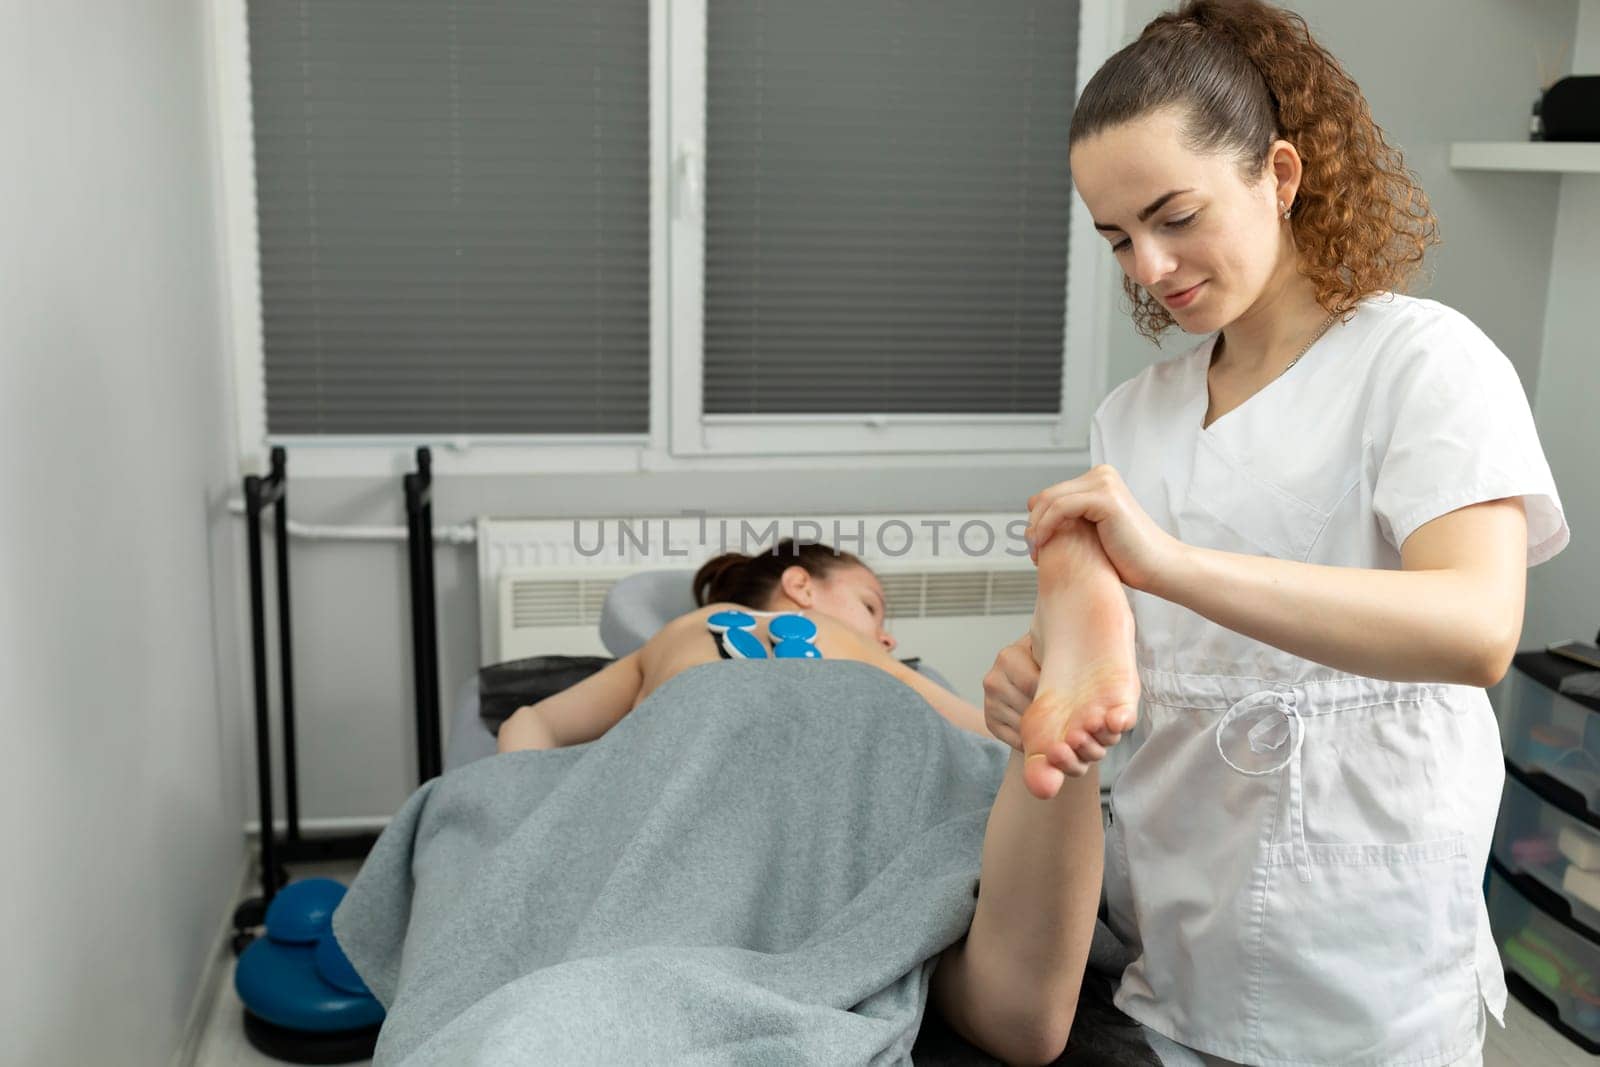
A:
[689,163]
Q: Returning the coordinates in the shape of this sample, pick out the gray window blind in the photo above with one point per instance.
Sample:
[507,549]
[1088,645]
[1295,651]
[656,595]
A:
[454,215]
[886,205]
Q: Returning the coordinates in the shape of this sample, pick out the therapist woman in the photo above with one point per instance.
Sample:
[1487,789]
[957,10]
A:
[1322,513]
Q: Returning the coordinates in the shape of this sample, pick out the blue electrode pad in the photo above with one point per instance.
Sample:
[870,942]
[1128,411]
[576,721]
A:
[792,636]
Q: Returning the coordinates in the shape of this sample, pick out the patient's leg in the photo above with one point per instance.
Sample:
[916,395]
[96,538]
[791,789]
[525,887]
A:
[1083,639]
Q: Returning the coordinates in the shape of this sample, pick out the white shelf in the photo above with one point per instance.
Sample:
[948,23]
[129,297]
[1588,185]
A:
[1555,157]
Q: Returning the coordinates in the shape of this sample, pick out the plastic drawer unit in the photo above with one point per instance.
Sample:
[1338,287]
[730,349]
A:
[1551,857]
[1549,737]
[1550,967]
[1544,868]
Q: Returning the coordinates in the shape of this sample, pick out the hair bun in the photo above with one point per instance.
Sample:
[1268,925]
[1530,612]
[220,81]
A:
[712,571]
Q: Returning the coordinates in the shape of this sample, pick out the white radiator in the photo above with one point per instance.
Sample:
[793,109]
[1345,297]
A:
[959,586]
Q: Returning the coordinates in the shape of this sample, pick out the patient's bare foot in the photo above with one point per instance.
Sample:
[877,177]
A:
[1088,694]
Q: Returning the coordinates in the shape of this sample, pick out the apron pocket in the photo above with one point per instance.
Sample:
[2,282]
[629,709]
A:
[1371,961]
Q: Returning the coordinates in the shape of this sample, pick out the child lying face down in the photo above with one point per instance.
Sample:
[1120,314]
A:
[832,591]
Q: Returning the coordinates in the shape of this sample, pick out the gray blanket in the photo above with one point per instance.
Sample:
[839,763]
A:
[760,864]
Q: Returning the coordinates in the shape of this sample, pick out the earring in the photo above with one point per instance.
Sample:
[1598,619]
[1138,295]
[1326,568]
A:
[1285,209]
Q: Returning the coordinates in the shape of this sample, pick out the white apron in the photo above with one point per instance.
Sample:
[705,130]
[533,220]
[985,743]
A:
[1296,854]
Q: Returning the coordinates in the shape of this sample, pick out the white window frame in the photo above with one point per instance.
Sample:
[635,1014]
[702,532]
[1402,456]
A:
[681,436]
[695,433]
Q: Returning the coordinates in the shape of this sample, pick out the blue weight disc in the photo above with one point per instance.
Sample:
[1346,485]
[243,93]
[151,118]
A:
[335,967]
[281,984]
[301,912]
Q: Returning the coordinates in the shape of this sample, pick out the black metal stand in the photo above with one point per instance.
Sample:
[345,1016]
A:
[260,494]
[424,615]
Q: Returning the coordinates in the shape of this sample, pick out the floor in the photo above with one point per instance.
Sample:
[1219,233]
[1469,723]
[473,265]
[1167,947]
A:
[1525,1042]
[1528,1042]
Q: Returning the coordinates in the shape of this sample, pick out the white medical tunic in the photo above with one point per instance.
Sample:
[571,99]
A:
[1296,853]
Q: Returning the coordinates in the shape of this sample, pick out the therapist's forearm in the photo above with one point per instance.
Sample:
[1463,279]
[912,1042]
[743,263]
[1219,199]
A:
[1403,626]
[1012,986]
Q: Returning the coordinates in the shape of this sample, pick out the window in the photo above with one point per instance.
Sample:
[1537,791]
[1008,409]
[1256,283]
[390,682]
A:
[453,206]
[496,223]
[886,217]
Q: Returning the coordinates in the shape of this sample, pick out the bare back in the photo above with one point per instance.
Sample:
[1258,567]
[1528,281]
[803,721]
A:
[686,642]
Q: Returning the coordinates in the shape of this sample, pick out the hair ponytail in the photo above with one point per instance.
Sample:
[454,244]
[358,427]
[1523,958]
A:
[736,578]
[714,574]
[1247,73]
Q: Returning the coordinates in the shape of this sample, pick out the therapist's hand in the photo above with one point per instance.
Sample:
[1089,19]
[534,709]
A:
[1008,689]
[1140,550]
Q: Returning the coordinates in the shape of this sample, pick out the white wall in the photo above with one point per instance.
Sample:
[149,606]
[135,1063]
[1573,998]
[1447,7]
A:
[1564,594]
[120,763]
[1434,71]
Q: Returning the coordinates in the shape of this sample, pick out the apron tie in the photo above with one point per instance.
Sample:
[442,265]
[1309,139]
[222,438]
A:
[1270,735]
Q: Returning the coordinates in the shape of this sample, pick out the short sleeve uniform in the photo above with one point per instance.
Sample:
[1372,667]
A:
[1297,852]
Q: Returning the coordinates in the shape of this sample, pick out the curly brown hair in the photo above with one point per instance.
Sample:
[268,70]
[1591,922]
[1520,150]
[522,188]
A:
[1248,73]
